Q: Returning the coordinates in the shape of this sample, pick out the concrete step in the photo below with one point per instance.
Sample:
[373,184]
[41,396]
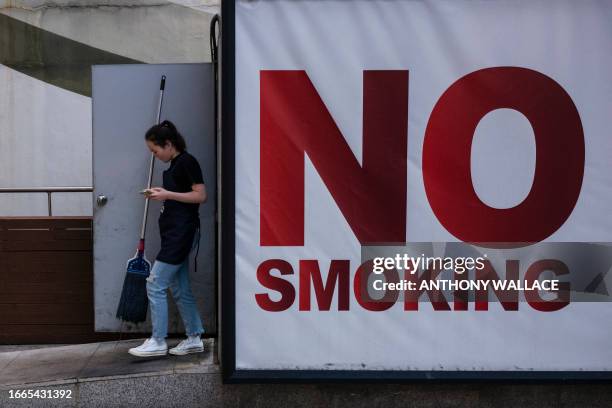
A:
[105,375]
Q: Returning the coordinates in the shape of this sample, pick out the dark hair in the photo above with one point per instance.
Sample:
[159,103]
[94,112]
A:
[166,132]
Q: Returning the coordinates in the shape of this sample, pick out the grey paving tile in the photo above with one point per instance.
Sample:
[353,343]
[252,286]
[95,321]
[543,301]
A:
[198,362]
[7,358]
[112,359]
[58,363]
[20,347]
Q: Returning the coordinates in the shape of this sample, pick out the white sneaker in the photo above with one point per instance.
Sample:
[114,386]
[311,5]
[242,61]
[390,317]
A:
[189,345]
[150,347]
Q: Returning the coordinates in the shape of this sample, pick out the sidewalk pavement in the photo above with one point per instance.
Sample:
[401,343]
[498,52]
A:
[95,361]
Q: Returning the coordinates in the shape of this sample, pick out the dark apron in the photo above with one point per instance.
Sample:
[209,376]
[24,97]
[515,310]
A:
[177,226]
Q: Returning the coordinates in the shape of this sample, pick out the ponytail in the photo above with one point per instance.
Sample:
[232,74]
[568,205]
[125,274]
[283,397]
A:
[166,132]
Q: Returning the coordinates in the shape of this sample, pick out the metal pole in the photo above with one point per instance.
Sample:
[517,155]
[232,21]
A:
[47,190]
[162,85]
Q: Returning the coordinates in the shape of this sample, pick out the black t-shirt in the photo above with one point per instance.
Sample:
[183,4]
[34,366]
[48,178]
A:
[178,221]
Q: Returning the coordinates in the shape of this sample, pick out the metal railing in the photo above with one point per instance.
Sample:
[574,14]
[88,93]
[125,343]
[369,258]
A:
[49,191]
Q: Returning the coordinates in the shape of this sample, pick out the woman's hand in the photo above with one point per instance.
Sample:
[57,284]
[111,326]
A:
[196,196]
[158,194]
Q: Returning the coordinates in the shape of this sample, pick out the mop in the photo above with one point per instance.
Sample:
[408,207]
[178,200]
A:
[134,303]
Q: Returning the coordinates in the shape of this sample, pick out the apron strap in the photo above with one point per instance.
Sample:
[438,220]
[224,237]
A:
[198,247]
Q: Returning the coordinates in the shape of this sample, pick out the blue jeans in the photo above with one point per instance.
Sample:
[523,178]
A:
[175,277]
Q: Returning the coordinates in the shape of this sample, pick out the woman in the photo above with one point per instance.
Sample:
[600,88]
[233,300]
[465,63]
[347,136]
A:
[182,193]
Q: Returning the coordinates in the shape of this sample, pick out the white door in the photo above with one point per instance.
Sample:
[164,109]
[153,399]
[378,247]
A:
[125,99]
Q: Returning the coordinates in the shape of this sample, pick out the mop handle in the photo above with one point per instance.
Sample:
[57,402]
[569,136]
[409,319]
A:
[162,85]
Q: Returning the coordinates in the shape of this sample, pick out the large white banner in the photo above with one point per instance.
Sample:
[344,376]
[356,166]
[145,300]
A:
[383,128]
